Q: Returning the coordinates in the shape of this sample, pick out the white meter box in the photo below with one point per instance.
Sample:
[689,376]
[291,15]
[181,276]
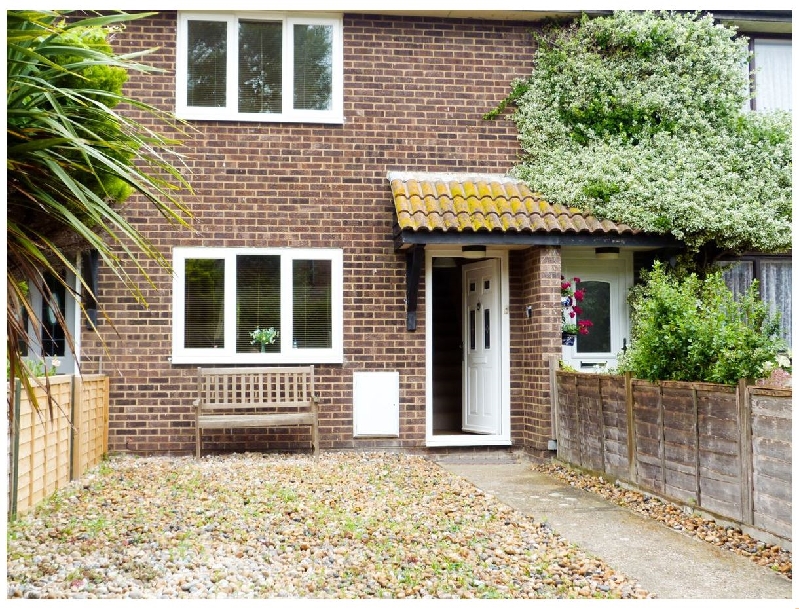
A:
[375,408]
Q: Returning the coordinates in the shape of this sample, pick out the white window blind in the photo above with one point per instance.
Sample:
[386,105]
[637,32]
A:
[773,75]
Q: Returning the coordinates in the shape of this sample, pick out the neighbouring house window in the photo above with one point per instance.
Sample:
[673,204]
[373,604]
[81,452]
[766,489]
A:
[771,78]
[54,342]
[222,295]
[260,66]
[775,284]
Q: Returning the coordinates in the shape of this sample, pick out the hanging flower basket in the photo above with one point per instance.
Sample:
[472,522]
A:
[570,296]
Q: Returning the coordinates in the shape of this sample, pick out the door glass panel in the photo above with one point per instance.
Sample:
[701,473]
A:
[487,316]
[596,308]
[487,285]
[472,286]
[472,330]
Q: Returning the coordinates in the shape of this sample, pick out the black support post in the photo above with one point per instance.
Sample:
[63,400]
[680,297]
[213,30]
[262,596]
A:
[413,269]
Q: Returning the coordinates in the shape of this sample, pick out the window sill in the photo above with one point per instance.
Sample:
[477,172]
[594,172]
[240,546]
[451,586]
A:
[258,359]
[326,119]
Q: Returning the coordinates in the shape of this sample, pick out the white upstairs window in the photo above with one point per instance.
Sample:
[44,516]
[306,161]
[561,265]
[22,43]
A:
[260,66]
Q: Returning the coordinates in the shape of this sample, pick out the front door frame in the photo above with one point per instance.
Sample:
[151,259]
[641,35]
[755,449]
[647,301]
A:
[502,438]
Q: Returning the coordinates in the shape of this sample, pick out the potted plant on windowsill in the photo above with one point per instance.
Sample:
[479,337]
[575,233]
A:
[570,296]
[263,337]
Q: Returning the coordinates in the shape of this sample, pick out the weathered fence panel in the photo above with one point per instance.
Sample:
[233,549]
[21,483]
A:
[724,449]
[614,409]
[568,420]
[680,441]
[771,457]
[590,428]
[719,451]
[59,441]
[648,434]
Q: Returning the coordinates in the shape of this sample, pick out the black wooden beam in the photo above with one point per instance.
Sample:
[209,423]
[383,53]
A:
[414,261]
[406,240]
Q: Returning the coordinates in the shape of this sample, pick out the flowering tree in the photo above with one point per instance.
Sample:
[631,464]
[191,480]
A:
[638,117]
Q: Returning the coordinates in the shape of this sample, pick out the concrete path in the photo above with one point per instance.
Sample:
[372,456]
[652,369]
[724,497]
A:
[668,564]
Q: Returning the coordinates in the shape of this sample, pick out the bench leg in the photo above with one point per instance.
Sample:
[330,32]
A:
[198,437]
[316,438]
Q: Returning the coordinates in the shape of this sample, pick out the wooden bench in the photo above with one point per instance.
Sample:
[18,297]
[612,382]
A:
[234,398]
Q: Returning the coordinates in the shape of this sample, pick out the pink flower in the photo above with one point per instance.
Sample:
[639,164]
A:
[576,280]
[579,294]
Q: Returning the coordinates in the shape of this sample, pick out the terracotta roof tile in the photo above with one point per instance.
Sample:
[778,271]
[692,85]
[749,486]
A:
[484,202]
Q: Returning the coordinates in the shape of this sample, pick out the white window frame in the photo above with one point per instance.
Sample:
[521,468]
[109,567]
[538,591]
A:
[230,112]
[227,354]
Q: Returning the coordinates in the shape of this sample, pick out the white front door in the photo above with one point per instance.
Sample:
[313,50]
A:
[482,332]
[606,284]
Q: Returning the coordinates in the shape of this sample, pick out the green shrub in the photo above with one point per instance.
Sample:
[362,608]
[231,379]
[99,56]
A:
[691,329]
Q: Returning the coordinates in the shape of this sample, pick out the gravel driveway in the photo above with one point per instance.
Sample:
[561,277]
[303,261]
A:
[342,525]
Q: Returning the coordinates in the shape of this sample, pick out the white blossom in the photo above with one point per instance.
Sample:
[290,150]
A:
[638,118]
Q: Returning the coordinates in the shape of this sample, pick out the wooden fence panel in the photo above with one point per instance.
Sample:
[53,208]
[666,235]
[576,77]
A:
[91,422]
[648,435]
[591,425]
[43,444]
[614,413]
[771,457]
[724,449]
[568,434]
[50,447]
[719,451]
[680,450]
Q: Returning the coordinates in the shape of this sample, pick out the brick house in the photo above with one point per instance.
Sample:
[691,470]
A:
[358,203]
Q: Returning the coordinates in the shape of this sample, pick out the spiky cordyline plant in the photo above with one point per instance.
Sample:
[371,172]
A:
[71,158]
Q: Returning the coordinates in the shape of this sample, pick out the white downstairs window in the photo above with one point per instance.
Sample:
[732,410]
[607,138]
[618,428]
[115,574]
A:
[260,66]
[222,295]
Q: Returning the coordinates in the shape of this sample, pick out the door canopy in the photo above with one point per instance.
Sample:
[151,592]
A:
[469,209]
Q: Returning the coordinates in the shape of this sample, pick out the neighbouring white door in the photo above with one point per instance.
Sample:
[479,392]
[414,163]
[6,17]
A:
[606,284]
[482,332]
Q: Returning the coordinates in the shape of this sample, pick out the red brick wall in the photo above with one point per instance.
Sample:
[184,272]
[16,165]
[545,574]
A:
[414,96]
[536,273]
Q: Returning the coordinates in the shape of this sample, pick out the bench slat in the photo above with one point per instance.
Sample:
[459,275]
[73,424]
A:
[252,405]
[256,420]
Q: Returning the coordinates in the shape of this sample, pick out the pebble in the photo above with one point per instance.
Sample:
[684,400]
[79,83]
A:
[679,518]
[341,525]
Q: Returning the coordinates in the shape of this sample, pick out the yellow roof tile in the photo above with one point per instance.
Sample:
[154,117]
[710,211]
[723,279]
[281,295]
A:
[483,202]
